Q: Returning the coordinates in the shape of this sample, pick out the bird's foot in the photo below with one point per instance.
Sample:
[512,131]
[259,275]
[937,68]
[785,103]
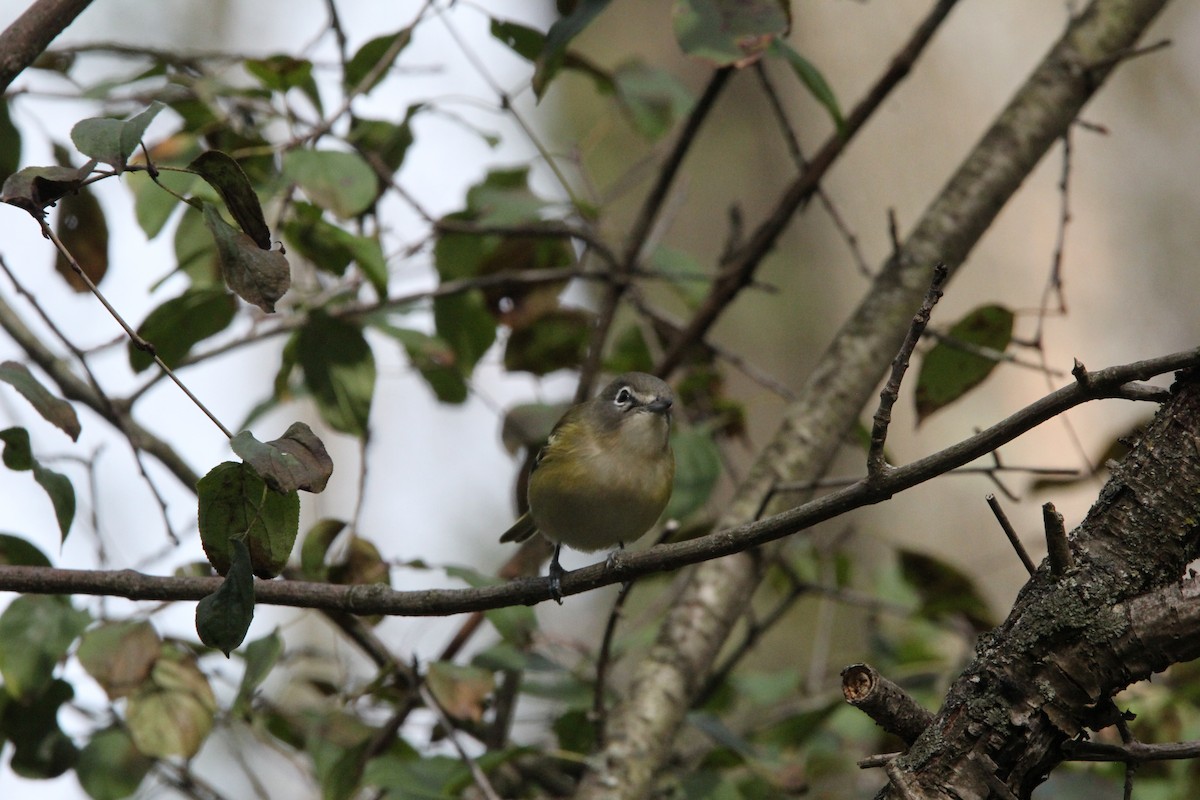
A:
[611,561]
[555,573]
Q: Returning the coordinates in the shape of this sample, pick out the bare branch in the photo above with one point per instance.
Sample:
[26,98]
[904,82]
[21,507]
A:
[380,599]
[1013,539]
[30,34]
[876,465]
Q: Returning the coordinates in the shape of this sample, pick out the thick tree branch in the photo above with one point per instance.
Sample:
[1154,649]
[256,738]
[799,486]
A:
[32,32]
[1071,641]
[892,708]
[715,595]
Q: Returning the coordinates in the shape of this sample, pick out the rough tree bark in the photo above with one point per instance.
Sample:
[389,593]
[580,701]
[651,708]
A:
[1073,639]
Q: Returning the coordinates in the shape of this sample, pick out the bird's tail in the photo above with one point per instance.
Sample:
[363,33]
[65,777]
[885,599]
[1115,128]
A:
[521,530]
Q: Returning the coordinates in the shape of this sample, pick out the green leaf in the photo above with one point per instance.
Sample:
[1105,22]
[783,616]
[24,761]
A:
[948,371]
[331,249]
[416,779]
[515,624]
[576,731]
[728,33]
[110,767]
[35,633]
[383,140]
[296,460]
[18,455]
[62,496]
[282,72]
[342,182]
[315,547]
[83,229]
[319,241]
[261,655]
[339,370]
[432,357]
[687,278]
[172,713]
[19,552]
[224,617]
[522,40]
[945,590]
[258,276]
[195,251]
[120,655]
[629,352]
[113,141]
[812,79]
[697,468]
[41,749]
[653,99]
[504,197]
[369,55]
[10,144]
[556,340]
[234,503]
[180,323]
[527,426]
[56,411]
[152,205]
[463,321]
[561,33]
[225,175]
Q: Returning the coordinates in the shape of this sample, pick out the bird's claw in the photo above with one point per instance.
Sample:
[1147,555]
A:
[555,573]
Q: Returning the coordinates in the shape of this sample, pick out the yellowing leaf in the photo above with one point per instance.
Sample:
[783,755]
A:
[120,655]
[461,691]
[172,714]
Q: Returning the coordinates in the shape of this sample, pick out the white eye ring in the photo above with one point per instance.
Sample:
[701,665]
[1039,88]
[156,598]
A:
[624,396]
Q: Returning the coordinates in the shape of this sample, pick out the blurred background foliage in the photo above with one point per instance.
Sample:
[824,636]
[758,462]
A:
[450,250]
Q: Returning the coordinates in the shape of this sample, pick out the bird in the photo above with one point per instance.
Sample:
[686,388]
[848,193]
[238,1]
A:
[605,473]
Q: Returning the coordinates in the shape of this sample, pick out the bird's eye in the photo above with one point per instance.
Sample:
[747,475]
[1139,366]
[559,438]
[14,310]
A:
[624,396]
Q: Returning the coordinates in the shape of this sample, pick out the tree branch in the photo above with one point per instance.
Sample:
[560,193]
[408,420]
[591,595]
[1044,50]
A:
[738,270]
[1071,641]
[715,595]
[380,599]
[31,33]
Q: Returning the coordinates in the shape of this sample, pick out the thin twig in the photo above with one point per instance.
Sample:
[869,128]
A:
[793,146]
[1013,539]
[738,271]
[599,706]
[364,84]
[643,224]
[991,353]
[876,463]
[1130,752]
[477,774]
[133,335]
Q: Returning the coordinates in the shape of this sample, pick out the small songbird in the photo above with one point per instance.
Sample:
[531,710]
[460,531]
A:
[606,472]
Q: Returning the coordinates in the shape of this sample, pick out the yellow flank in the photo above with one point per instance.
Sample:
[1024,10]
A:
[606,472]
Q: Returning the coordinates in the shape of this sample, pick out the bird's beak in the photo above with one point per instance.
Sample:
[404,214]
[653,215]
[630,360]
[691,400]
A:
[659,405]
